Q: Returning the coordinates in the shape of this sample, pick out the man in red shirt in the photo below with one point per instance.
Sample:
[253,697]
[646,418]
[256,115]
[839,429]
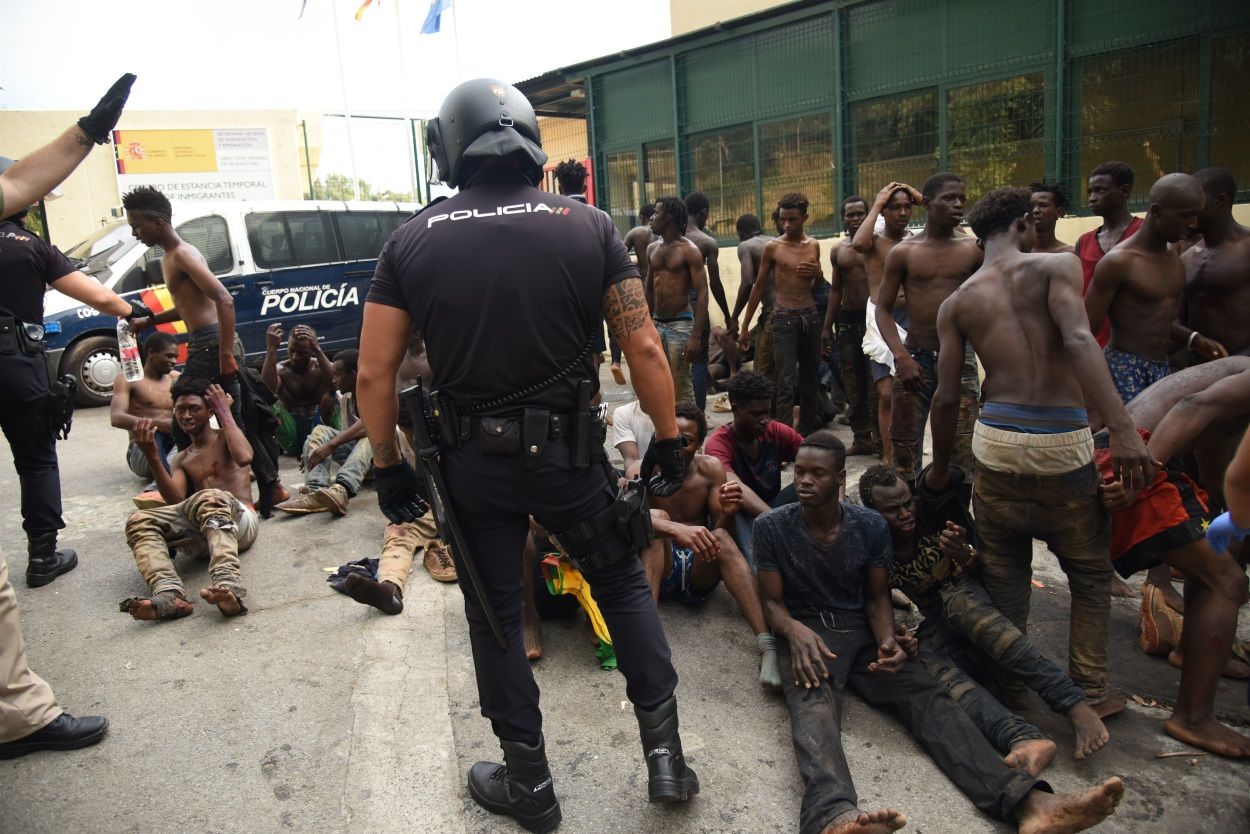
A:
[753,448]
[1109,188]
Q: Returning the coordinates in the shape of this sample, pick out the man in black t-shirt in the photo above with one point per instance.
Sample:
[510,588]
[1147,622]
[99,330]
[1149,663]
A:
[508,284]
[824,574]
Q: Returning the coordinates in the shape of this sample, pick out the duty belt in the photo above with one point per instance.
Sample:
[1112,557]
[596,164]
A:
[487,426]
[27,336]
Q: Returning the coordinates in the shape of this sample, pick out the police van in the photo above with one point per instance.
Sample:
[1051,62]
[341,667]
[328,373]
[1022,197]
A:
[291,262]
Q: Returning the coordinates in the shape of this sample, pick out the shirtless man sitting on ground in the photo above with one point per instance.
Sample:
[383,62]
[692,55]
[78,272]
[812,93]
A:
[304,387]
[675,268]
[148,398]
[696,521]
[209,512]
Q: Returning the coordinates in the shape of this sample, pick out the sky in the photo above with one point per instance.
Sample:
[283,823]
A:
[261,54]
[248,54]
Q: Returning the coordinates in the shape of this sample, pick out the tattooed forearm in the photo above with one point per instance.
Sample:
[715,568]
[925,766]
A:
[625,309]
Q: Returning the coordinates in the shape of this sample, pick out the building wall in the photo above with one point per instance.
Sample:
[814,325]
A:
[688,15]
[834,98]
[91,191]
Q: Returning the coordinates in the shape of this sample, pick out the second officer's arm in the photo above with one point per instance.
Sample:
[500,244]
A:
[383,341]
[629,322]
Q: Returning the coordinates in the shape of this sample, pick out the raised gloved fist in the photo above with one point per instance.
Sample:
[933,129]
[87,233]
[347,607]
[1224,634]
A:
[99,123]
[1222,532]
[401,495]
[665,454]
[138,310]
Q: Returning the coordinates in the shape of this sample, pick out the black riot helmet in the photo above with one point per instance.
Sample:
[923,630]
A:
[484,118]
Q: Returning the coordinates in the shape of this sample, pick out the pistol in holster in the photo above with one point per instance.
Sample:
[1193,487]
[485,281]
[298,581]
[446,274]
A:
[59,406]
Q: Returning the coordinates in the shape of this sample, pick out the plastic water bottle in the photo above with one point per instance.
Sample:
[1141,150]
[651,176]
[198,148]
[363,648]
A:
[128,347]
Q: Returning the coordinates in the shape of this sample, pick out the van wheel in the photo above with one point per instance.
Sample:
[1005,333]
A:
[94,363]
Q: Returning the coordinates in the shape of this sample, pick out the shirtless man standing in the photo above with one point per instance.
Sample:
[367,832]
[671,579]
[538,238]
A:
[199,298]
[1138,286]
[796,322]
[893,204]
[209,513]
[677,292]
[696,520]
[750,253]
[1035,475]
[1217,270]
[1166,524]
[148,398]
[1050,203]
[848,301]
[697,212]
[304,388]
[928,267]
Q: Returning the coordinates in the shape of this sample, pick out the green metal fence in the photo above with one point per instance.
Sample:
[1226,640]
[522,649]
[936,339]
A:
[836,98]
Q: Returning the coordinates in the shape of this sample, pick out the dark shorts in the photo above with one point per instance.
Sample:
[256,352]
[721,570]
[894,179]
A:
[879,371]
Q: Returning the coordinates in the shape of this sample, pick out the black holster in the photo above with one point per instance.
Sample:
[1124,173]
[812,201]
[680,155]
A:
[620,530]
[442,419]
[59,406]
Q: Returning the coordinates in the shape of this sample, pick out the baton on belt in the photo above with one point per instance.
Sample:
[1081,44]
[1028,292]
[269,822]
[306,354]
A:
[428,467]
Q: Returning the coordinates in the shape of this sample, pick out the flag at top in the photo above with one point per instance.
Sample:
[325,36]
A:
[433,19]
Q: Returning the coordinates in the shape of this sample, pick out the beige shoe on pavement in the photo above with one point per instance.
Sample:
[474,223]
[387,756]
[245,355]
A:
[438,562]
[333,498]
[148,500]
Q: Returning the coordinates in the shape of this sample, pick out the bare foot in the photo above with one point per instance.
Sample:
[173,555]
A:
[532,631]
[618,377]
[1233,668]
[1067,813]
[1209,735]
[384,596]
[1091,734]
[225,599]
[159,607]
[1109,706]
[1120,588]
[878,822]
[1032,756]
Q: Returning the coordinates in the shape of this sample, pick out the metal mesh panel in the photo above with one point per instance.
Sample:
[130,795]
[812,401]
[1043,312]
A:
[996,132]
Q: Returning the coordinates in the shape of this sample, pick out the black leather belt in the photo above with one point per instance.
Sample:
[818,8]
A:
[472,428]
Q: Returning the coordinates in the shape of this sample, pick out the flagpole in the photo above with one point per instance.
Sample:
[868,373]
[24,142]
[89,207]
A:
[413,173]
[455,34]
[347,112]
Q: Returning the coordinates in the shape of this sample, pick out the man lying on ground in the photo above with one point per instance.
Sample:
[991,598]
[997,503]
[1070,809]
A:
[963,636]
[695,520]
[824,569]
[148,398]
[1167,521]
[209,512]
[304,387]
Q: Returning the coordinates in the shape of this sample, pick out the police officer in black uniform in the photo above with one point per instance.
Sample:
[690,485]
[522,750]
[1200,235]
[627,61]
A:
[31,410]
[508,284]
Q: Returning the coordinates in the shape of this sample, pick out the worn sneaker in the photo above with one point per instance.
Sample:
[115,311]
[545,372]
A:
[307,502]
[333,498]
[148,500]
[439,563]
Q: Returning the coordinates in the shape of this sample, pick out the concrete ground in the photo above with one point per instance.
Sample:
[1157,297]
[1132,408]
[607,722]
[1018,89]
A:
[314,714]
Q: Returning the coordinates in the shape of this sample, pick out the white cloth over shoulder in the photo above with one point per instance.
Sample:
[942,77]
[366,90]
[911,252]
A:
[875,347]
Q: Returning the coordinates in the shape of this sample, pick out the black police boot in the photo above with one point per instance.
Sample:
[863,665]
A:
[46,562]
[64,733]
[521,788]
[668,778]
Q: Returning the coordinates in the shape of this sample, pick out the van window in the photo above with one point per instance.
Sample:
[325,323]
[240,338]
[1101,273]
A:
[360,233]
[391,220]
[282,239]
[212,237]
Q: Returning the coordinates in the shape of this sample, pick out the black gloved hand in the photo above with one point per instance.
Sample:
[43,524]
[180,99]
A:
[401,495]
[138,309]
[99,123]
[666,454]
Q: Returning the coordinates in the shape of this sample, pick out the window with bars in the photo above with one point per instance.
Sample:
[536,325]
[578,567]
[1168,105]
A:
[895,139]
[996,132]
[797,155]
[722,166]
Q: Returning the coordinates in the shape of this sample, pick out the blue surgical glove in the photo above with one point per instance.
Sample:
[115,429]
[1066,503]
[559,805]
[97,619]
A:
[1223,531]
